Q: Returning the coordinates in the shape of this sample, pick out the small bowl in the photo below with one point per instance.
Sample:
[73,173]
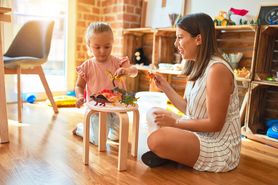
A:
[165,66]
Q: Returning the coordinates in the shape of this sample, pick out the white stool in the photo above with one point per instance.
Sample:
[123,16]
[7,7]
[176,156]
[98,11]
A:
[121,110]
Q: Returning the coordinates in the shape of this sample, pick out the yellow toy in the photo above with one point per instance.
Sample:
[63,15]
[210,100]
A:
[172,108]
[63,101]
[223,19]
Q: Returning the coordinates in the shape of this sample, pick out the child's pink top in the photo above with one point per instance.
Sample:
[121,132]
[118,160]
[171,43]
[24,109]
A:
[97,76]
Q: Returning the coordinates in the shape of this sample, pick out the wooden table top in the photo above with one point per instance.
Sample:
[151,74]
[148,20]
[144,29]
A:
[111,107]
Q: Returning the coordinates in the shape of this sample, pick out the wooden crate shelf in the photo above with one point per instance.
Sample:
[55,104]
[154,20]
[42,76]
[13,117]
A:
[262,106]
[263,93]
[267,54]
[234,39]
[155,43]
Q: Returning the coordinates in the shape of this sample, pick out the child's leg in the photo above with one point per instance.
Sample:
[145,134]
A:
[113,122]
[93,129]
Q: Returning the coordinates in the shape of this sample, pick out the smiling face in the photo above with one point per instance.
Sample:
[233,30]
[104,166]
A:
[186,44]
[100,45]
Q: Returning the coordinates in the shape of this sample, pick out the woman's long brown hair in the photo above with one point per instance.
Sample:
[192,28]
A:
[196,24]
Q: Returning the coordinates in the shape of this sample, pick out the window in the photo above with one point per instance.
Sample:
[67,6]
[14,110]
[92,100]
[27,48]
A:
[55,68]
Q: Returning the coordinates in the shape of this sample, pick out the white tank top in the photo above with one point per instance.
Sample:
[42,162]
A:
[224,144]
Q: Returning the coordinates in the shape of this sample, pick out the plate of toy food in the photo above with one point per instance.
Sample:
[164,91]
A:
[242,73]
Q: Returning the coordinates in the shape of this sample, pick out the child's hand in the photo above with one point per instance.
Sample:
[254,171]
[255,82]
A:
[124,60]
[120,72]
[80,101]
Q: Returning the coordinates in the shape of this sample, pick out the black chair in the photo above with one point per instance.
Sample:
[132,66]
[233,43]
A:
[28,51]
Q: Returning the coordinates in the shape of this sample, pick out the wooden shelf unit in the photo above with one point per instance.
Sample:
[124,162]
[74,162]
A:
[158,46]
[263,101]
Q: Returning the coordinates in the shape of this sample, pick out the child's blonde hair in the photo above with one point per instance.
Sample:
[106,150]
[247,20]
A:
[96,27]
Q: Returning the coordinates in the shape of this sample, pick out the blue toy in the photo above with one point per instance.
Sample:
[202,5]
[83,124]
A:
[30,97]
[71,93]
[272,130]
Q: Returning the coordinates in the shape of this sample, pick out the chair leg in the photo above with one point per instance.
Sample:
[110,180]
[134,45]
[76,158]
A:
[19,99]
[47,89]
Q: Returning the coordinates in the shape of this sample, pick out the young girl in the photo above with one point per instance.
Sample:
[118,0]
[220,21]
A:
[94,75]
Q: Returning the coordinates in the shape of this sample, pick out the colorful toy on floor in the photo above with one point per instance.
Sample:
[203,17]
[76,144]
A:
[272,130]
[29,97]
[64,101]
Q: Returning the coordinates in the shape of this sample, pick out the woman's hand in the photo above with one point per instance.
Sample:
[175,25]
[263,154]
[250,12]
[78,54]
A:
[163,119]
[79,102]
[161,82]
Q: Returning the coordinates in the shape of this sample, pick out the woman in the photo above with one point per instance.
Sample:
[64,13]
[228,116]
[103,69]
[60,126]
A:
[207,138]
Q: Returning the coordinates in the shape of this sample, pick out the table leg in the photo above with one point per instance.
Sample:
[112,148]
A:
[102,131]
[4,135]
[86,136]
[123,145]
[135,129]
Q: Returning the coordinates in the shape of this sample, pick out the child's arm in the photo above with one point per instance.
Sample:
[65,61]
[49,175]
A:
[79,91]
[131,71]
[126,71]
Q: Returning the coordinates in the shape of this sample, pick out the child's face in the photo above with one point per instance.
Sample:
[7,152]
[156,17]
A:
[101,45]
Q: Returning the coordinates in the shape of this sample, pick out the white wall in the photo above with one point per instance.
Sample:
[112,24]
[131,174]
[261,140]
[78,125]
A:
[157,16]
[212,7]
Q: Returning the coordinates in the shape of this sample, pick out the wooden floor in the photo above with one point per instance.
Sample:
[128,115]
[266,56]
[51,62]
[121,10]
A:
[43,150]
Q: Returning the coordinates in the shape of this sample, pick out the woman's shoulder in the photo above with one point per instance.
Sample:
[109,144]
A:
[218,65]
[218,61]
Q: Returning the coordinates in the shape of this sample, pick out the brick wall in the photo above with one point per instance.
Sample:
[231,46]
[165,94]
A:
[87,11]
[118,13]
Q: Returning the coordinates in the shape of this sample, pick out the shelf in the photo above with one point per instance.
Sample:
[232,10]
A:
[264,82]
[259,137]
[161,71]
[137,30]
[237,27]
[270,29]
[243,79]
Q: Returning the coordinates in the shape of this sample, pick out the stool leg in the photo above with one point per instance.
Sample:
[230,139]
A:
[135,129]
[86,135]
[122,157]
[102,131]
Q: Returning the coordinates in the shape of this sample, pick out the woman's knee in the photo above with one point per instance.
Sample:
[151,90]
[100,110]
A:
[156,140]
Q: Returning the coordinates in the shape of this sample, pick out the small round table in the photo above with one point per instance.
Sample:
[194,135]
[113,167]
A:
[121,110]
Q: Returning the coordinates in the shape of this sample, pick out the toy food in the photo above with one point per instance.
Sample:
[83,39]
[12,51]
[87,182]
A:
[151,75]
[243,73]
